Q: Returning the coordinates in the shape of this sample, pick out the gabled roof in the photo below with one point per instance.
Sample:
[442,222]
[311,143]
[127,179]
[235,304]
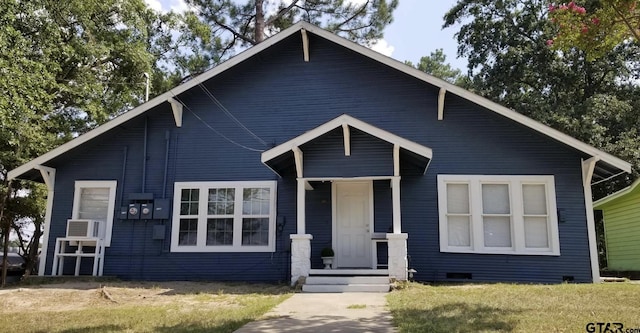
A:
[610,164]
[351,122]
[619,194]
[421,153]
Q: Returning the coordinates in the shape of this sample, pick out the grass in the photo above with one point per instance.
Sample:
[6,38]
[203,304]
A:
[73,306]
[513,308]
[137,307]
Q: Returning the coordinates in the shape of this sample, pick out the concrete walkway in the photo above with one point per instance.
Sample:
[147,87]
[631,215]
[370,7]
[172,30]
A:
[335,312]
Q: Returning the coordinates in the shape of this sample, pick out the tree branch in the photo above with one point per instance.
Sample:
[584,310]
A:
[281,13]
[356,14]
[233,32]
[627,23]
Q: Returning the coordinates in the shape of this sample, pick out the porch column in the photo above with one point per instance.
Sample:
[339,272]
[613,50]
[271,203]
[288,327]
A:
[398,256]
[300,219]
[300,256]
[395,195]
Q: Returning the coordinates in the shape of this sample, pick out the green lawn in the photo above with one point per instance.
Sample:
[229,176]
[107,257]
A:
[514,308]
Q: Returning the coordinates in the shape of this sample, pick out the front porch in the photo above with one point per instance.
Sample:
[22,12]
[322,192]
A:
[348,196]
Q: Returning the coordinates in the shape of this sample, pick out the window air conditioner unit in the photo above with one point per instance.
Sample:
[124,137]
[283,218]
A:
[83,228]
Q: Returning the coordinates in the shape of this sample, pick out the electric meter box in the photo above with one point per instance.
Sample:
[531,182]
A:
[161,209]
[134,211]
[146,211]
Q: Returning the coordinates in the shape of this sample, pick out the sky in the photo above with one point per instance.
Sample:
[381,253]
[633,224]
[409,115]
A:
[416,30]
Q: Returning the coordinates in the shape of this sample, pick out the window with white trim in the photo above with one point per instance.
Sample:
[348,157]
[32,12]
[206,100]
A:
[498,214]
[224,217]
[95,200]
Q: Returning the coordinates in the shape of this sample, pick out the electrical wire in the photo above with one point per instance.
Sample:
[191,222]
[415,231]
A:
[213,129]
[605,179]
[226,111]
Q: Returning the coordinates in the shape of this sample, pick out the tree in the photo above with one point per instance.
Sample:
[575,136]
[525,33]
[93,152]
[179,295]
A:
[596,28]
[66,68]
[223,27]
[510,62]
[436,65]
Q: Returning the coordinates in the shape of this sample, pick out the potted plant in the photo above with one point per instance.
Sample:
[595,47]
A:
[327,257]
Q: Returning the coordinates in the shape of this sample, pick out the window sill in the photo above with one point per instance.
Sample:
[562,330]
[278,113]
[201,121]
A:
[224,249]
[508,252]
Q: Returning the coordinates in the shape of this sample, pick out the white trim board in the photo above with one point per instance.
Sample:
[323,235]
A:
[587,174]
[309,28]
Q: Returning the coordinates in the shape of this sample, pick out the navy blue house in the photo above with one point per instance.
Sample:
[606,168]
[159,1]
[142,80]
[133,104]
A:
[308,141]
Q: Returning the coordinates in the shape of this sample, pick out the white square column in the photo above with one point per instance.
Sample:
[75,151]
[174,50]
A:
[398,256]
[300,256]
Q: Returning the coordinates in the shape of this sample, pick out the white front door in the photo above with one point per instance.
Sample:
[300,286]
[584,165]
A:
[353,222]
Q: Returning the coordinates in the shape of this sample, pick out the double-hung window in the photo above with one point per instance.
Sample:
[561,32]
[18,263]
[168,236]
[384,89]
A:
[224,217]
[498,214]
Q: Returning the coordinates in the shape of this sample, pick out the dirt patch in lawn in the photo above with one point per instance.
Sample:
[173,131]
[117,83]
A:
[70,296]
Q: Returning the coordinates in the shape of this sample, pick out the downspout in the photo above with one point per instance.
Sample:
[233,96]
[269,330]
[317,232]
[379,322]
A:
[167,138]
[144,155]
[124,173]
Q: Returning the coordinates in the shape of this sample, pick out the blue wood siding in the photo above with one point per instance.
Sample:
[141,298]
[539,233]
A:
[370,156]
[279,96]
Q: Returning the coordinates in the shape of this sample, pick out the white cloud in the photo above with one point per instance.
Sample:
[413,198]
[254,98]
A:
[154,4]
[178,6]
[357,2]
[381,46]
[164,6]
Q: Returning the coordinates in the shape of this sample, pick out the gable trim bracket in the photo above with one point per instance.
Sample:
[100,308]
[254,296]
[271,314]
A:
[441,94]
[305,44]
[176,107]
[347,140]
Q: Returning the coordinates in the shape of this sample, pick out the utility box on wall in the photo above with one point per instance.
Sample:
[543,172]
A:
[161,209]
[142,206]
[158,232]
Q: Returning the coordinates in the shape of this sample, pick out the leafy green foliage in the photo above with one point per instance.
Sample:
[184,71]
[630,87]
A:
[436,65]
[597,28]
[66,68]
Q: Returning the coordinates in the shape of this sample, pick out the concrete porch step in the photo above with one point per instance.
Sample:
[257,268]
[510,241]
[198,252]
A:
[333,280]
[342,288]
[340,281]
[349,272]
